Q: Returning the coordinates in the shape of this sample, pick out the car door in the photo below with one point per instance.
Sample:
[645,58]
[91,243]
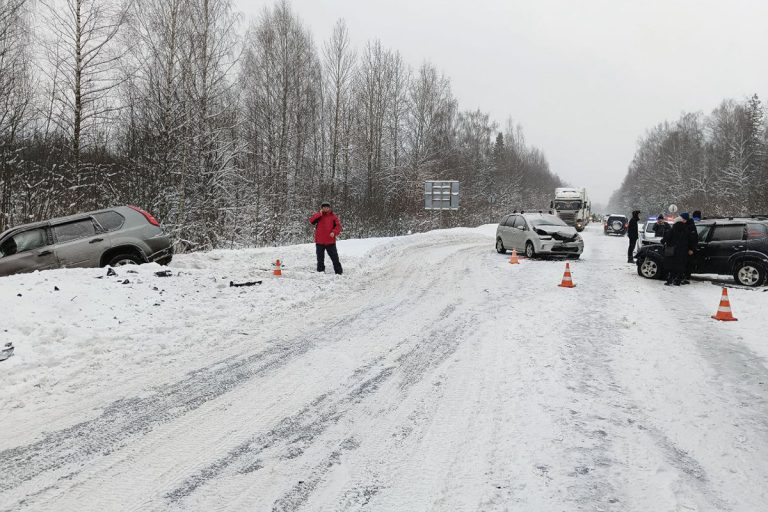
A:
[518,233]
[700,258]
[27,251]
[724,241]
[79,243]
[503,230]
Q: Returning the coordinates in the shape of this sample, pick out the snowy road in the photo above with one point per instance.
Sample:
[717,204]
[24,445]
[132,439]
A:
[433,375]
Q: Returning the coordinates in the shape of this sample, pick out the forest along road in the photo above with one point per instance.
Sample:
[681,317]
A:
[437,376]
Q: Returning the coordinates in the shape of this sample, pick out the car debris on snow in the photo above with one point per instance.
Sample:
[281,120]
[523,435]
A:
[249,283]
[6,351]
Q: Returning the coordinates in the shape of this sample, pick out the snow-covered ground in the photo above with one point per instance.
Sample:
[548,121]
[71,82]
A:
[432,375]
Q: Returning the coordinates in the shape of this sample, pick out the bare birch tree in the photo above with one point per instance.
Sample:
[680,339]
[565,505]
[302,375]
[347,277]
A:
[15,98]
[338,68]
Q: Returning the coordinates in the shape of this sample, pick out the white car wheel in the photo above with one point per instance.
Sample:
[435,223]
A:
[530,252]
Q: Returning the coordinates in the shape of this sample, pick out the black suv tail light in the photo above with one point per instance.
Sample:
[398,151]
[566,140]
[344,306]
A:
[146,215]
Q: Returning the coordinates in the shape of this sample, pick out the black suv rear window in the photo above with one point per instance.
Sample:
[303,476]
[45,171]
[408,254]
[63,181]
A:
[110,221]
[757,231]
[725,232]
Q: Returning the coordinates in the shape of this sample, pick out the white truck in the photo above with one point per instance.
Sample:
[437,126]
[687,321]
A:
[573,206]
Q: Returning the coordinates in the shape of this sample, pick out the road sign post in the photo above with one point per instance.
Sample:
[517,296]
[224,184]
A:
[441,196]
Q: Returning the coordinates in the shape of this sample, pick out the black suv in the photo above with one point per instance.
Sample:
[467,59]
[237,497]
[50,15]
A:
[732,246]
[616,225]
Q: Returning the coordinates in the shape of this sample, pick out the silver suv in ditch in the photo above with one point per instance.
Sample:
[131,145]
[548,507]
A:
[538,234]
[115,236]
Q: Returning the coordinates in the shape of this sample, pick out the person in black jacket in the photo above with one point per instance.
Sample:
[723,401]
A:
[676,247]
[661,227]
[633,235]
[693,244]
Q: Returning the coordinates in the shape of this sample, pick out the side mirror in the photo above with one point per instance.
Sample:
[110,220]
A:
[551,204]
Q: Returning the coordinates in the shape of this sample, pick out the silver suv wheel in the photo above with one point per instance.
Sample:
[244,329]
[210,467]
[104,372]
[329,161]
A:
[123,262]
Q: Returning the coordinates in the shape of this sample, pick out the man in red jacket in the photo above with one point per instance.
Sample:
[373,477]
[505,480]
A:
[327,230]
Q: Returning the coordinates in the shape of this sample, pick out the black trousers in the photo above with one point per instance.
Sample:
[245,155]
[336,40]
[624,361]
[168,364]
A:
[631,249]
[320,249]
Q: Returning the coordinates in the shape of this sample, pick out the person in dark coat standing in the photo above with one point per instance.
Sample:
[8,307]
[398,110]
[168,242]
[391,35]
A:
[661,227]
[633,235]
[676,247]
[693,244]
[327,230]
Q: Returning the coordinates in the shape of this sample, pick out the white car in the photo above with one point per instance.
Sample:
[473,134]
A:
[647,235]
[538,234]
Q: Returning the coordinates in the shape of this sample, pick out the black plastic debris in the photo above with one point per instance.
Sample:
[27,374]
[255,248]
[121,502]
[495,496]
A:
[6,351]
[249,283]
[56,288]
[126,282]
[163,273]
[111,272]
[18,295]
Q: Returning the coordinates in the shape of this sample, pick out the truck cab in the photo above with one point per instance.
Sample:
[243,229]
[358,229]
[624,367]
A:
[572,206]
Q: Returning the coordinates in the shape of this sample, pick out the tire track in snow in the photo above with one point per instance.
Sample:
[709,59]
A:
[458,321]
[66,450]
[295,434]
[298,432]
[593,449]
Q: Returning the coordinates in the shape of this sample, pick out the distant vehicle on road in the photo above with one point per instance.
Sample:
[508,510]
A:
[732,246]
[573,206]
[538,234]
[615,224]
[114,236]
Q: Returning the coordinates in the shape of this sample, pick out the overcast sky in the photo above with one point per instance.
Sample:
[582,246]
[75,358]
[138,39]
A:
[585,78]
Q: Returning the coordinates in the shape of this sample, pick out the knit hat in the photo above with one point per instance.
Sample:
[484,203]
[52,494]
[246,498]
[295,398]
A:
[686,216]
[325,203]
[660,217]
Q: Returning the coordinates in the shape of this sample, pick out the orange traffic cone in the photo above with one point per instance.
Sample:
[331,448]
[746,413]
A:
[724,310]
[567,281]
[513,259]
[278,268]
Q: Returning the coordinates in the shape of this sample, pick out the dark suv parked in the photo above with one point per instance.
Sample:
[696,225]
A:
[115,236]
[732,246]
[616,224]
